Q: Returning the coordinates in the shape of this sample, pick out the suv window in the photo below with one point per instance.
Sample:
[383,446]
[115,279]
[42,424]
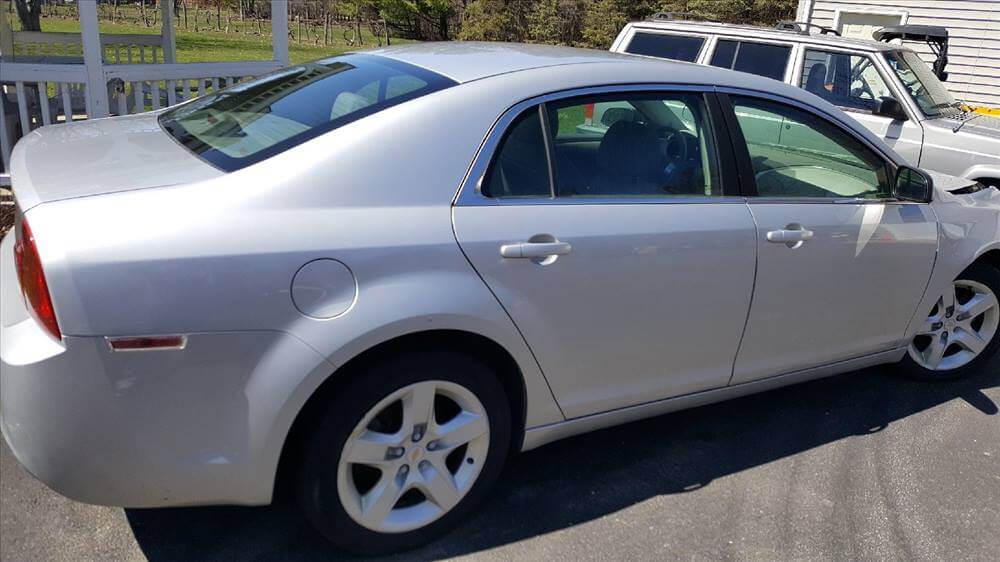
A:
[761,59]
[675,47]
[622,145]
[843,79]
[797,154]
[254,120]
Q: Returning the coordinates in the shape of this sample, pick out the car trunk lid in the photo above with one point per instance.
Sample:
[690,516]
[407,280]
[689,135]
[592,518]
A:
[100,156]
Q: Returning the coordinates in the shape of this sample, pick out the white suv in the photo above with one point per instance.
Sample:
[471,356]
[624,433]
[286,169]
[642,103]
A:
[886,87]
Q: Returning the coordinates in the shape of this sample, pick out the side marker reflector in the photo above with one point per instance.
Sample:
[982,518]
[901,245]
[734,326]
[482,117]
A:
[147,343]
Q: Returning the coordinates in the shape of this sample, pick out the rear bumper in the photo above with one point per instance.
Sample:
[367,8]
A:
[202,425]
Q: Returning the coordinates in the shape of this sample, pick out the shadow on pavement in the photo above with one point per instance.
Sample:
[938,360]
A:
[554,487]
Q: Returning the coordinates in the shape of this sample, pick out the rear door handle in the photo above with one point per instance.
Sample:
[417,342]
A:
[535,249]
[791,237]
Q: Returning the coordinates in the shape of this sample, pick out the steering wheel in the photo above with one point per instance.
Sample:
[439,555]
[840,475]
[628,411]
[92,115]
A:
[676,147]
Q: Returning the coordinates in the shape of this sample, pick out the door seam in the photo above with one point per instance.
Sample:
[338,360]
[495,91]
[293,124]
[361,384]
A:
[753,290]
[454,232]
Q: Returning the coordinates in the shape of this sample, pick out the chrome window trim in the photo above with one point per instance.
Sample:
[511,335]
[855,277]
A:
[470,192]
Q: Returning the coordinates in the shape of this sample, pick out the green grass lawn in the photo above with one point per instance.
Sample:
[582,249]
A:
[216,46]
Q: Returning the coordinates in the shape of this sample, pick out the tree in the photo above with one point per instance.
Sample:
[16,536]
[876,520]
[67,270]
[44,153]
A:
[29,12]
[413,16]
[602,22]
[495,20]
[556,22]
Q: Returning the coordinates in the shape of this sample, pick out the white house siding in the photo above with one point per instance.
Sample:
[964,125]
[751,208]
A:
[973,27]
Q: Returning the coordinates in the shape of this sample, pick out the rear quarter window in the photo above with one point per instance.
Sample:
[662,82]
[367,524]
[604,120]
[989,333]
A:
[255,120]
[675,47]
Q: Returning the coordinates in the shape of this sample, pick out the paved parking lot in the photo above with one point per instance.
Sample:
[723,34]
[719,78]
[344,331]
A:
[859,467]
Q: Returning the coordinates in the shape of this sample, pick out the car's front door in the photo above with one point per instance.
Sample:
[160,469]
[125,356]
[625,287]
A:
[613,245]
[841,265]
[852,82]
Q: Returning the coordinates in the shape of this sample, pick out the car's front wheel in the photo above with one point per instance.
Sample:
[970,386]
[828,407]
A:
[405,451]
[960,335]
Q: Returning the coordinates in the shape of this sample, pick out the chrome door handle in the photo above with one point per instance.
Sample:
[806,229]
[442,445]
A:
[791,237]
[535,249]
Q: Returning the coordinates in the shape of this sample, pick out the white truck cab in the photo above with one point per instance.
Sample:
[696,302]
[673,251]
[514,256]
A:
[885,86]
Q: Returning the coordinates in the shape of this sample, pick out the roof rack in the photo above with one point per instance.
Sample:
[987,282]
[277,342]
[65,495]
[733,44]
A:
[680,16]
[803,27]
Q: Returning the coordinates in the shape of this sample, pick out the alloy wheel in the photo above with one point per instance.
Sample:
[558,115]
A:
[413,456]
[958,330]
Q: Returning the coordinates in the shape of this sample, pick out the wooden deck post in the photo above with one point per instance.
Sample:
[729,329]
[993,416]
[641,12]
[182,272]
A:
[93,61]
[279,31]
[167,32]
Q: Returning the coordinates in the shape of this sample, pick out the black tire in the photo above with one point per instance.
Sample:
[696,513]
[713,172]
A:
[988,275]
[317,482]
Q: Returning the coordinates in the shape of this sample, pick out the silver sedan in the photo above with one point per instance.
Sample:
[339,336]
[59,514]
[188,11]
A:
[378,275]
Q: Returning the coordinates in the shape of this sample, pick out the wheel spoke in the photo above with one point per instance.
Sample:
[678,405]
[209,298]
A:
[949,300]
[438,483]
[370,448]
[934,353]
[970,341]
[979,305]
[379,501]
[930,326]
[461,429]
[418,406]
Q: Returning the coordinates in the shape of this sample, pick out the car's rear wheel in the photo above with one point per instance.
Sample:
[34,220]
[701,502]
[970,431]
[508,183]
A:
[960,335]
[407,450]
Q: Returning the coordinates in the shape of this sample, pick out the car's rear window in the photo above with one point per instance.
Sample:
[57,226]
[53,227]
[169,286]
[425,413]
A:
[675,47]
[255,120]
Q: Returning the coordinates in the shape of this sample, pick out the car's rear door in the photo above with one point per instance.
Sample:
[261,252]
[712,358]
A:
[841,265]
[629,272]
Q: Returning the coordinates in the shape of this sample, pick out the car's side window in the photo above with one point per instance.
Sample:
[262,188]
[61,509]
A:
[665,46]
[610,146]
[520,168]
[762,59]
[798,154]
[846,80]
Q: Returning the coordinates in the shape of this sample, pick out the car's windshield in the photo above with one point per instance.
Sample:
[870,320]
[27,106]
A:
[921,83]
[260,118]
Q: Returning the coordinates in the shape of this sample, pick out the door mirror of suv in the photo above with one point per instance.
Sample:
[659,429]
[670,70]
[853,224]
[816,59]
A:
[890,107]
[913,185]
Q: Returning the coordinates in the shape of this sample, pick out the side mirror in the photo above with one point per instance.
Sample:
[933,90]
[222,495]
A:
[891,108]
[913,185]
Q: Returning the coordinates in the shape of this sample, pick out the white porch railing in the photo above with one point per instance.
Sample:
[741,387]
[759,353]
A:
[139,88]
[38,46]
[34,95]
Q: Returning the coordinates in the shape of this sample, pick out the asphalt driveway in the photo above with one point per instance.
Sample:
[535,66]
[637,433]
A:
[858,467]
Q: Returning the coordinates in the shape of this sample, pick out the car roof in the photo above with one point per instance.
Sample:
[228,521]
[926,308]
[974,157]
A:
[467,61]
[770,33]
[554,68]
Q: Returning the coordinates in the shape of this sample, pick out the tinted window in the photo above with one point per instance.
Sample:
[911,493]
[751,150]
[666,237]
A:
[628,145]
[260,118]
[520,168]
[846,80]
[796,154]
[761,59]
[633,145]
[676,47]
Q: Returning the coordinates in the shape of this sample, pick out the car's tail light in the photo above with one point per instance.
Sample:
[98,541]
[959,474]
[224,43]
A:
[32,279]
